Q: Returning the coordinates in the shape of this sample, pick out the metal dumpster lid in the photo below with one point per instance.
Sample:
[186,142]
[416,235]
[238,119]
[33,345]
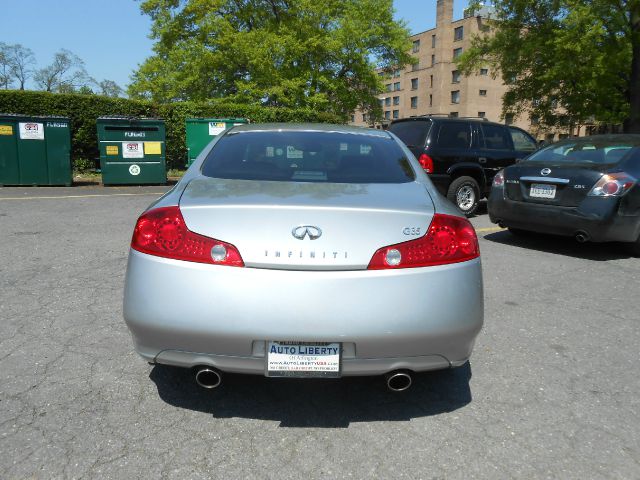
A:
[18,116]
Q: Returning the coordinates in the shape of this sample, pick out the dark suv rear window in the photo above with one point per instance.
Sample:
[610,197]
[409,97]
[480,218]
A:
[304,156]
[413,132]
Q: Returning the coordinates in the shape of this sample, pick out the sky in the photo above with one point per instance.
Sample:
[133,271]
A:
[112,37]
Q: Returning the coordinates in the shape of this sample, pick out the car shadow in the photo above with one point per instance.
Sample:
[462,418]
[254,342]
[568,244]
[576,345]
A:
[559,245]
[324,403]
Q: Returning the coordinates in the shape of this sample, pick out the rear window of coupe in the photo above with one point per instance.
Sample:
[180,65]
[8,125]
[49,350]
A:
[304,156]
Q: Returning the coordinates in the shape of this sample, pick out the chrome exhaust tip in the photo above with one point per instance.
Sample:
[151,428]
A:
[582,237]
[208,377]
[398,381]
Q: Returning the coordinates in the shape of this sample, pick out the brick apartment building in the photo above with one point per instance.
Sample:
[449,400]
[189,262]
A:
[435,86]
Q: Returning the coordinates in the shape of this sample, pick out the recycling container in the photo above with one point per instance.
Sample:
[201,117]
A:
[200,131]
[132,150]
[35,150]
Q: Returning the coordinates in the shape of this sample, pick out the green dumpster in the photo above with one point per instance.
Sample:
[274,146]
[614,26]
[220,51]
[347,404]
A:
[200,131]
[132,150]
[35,150]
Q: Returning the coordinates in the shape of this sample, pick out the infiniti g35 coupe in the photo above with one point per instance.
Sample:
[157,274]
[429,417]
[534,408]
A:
[304,250]
[582,187]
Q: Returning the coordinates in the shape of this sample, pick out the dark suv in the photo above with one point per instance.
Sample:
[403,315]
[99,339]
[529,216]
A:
[461,155]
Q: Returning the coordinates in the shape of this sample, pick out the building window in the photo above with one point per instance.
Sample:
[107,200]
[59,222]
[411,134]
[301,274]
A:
[353,118]
[482,114]
[535,120]
[364,117]
[433,60]
[453,114]
[396,86]
[484,72]
[457,52]
[396,73]
[430,100]
[458,33]
[388,87]
[387,115]
[508,118]
[433,41]
[414,102]
[396,114]
[396,100]
[455,96]
[431,81]
[414,84]
[387,102]
[483,93]
[455,76]
[416,46]
[415,66]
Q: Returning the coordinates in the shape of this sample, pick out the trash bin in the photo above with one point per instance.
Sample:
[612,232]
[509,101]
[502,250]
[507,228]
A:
[200,131]
[132,150]
[35,150]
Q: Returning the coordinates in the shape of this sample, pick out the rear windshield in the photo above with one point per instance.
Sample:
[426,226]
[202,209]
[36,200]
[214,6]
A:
[605,151]
[303,156]
[413,132]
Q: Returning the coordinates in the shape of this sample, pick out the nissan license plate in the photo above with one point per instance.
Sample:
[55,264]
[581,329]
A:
[303,359]
[541,190]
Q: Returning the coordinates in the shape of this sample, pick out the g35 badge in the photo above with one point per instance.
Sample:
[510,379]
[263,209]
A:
[412,231]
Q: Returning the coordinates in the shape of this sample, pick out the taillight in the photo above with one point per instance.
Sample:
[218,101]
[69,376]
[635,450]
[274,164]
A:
[612,185]
[163,233]
[426,162]
[448,240]
[498,179]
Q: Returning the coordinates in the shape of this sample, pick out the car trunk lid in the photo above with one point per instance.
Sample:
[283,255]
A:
[350,221]
[562,185]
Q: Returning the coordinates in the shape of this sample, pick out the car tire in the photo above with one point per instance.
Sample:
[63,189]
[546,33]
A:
[464,192]
[634,248]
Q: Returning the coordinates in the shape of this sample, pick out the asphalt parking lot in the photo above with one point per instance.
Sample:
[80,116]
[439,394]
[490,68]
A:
[552,390]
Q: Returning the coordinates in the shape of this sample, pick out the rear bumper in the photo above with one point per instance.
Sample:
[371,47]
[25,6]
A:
[600,218]
[188,314]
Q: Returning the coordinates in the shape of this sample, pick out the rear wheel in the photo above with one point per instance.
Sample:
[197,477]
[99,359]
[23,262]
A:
[464,192]
[634,248]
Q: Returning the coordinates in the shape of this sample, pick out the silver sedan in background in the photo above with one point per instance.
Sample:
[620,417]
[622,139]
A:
[305,251]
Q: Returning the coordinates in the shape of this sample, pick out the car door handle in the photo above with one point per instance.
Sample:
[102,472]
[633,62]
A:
[482,159]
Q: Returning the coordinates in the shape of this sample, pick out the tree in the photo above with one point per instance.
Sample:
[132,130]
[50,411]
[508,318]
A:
[565,61]
[319,54]
[65,75]
[109,88]
[5,66]
[21,61]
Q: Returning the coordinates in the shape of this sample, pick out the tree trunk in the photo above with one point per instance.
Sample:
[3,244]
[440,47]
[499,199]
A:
[633,124]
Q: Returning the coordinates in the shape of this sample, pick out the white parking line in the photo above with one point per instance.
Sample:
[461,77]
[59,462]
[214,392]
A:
[82,196]
[490,229]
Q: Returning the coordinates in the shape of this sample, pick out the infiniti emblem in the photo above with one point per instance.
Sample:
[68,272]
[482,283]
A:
[306,230]
[545,171]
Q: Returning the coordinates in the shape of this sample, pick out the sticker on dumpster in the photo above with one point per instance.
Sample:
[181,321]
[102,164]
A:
[153,148]
[134,169]
[6,130]
[132,150]
[112,149]
[31,131]
[216,128]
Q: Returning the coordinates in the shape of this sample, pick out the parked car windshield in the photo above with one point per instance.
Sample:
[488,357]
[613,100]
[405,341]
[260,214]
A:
[308,156]
[607,150]
[412,132]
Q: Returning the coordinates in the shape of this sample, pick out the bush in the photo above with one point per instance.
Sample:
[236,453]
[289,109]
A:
[83,110]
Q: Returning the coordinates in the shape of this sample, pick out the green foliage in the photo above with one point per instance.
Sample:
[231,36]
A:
[83,110]
[565,61]
[292,53]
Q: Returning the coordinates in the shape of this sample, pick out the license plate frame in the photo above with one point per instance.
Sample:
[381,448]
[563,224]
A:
[302,360]
[542,190]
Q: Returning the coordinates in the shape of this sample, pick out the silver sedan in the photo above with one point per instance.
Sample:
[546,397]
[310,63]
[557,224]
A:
[304,251]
